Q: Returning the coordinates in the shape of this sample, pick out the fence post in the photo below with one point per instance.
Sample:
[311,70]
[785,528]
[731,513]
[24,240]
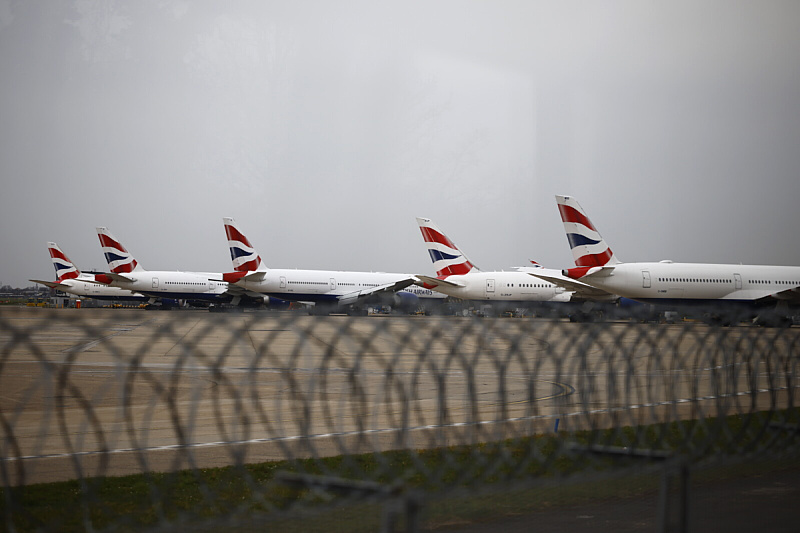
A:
[673,500]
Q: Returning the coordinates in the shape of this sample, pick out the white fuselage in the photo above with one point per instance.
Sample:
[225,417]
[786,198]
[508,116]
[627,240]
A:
[174,284]
[503,286]
[80,286]
[322,286]
[667,282]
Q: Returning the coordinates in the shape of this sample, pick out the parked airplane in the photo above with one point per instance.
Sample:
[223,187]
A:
[326,289]
[667,282]
[166,286]
[457,276]
[71,280]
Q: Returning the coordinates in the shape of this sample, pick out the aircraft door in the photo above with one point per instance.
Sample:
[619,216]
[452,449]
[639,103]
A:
[155,283]
[737,278]
[645,279]
[489,287]
[283,282]
[333,284]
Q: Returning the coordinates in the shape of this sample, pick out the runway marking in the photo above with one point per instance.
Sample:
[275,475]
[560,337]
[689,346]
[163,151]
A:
[385,430]
[118,330]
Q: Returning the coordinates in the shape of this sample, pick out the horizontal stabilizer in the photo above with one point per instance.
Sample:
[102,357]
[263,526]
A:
[588,271]
[580,289]
[51,284]
[235,277]
[119,277]
[259,275]
[428,280]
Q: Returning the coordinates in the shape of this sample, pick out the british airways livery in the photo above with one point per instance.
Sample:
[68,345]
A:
[325,289]
[71,280]
[668,282]
[457,276]
[127,273]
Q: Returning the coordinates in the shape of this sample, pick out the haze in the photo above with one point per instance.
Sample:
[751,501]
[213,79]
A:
[324,128]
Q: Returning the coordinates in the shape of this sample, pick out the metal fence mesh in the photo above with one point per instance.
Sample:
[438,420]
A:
[254,418]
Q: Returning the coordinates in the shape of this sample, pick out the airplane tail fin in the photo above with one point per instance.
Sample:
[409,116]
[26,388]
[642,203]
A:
[65,269]
[589,249]
[120,260]
[243,255]
[447,259]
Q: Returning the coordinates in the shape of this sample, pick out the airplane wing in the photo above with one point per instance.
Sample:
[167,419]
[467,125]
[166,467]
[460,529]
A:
[236,290]
[353,297]
[436,281]
[788,295]
[581,290]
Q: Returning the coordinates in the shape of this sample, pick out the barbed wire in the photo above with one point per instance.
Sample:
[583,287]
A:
[432,403]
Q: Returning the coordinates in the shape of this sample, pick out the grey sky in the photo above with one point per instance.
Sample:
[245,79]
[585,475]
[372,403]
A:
[324,128]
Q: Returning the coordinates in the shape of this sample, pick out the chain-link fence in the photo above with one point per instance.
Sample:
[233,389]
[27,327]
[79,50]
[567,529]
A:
[137,420]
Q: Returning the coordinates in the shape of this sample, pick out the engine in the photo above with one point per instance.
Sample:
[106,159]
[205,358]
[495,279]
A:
[405,301]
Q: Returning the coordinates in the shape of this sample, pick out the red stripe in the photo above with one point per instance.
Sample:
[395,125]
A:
[455,270]
[593,260]
[570,214]
[431,235]
[107,241]
[234,235]
[233,277]
[69,275]
[127,267]
[576,273]
[250,265]
[58,254]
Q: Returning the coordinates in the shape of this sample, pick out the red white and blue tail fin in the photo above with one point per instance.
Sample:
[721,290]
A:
[243,255]
[65,269]
[588,247]
[120,261]
[447,259]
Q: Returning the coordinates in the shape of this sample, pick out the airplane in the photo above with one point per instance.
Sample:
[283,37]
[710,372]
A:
[327,290]
[166,288]
[71,280]
[458,277]
[671,283]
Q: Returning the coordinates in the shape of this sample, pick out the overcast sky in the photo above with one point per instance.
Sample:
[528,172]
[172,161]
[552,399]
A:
[324,128]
